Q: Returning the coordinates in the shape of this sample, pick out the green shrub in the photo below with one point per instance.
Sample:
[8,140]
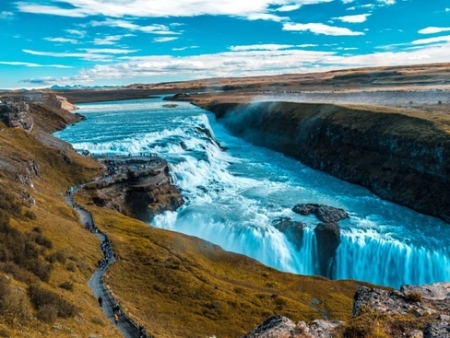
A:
[71,266]
[59,256]
[66,286]
[47,313]
[40,297]
[413,297]
[4,333]
[29,215]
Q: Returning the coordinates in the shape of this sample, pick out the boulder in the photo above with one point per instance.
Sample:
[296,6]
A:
[292,229]
[278,326]
[16,115]
[328,239]
[318,328]
[275,326]
[324,213]
[436,330]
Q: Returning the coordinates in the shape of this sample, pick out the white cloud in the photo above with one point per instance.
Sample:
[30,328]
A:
[288,8]
[109,50]
[347,1]
[51,10]
[320,28]
[88,54]
[29,64]
[76,32]
[184,48]
[254,62]
[432,30]
[267,17]
[386,2]
[153,29]
[432,40]
[145,8]
[108,40]
[6,15]
[165,39]
[270,47]
[354,18]
[62,40]
[305,45]
[447,9]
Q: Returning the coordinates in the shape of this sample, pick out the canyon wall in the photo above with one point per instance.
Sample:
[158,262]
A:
[400,156]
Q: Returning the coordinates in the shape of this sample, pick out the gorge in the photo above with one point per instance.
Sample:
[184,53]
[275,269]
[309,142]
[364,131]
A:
[234,191]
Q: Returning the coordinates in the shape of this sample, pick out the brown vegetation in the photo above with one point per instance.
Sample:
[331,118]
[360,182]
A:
[180,286]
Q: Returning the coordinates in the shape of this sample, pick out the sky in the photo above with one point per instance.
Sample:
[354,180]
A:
[121,42]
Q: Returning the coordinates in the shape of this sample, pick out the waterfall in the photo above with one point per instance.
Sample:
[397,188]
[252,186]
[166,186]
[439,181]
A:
[234,191]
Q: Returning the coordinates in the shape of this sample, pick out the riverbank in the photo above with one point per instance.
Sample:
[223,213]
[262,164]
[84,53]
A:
[401,155]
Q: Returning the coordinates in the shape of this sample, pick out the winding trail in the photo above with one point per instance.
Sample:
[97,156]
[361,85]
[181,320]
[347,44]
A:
[125,325]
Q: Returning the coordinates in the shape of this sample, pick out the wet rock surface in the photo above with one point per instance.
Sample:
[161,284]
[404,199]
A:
[292,229]
[328,239]
[137,186]
[398,155]
[324,213]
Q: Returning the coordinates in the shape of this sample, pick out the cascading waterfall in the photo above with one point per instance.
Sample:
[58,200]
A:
[233,195]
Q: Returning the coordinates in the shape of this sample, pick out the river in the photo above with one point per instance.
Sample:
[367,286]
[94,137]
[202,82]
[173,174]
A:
[234,190]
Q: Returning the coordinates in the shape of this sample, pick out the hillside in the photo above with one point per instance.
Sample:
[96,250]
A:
[175,285]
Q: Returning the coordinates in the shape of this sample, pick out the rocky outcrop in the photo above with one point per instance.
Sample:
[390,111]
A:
[412,311]
[401,156]
[292,229]
[274,326]
[277,326]
[137,186]
[328,239]
[325,213]
[16,115]
[420,311]
[327,233]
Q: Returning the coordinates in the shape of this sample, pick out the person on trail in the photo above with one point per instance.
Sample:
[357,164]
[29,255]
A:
[100,301]
[118,308]
[116,318]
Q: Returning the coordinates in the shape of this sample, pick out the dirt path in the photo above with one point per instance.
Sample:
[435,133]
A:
[126,327]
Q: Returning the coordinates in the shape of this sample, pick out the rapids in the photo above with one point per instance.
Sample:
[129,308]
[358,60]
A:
[233,191]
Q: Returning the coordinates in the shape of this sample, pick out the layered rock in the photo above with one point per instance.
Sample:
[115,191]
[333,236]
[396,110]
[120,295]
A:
[277,326]
[16,115]
[419,311]
[292,229]
[412,311]
[401,156]
[328,240]
[137,186]
[325,213]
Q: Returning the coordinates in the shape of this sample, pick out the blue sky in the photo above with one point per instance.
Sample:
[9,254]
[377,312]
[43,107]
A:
[118,42]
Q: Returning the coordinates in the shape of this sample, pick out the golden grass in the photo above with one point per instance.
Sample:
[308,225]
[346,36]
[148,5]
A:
[181,286]
[59,224]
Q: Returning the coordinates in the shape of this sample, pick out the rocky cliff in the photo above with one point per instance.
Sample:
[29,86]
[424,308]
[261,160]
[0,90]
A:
[16,115]
[135,186]
[401,156]
[412,311]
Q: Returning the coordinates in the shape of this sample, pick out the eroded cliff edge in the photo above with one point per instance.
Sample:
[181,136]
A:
[399,155]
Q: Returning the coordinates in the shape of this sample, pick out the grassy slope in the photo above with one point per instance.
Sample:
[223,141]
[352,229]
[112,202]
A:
[60,225]
[180,286]
[177,286]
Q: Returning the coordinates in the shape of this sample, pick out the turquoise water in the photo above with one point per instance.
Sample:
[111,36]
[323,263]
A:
[234,190]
